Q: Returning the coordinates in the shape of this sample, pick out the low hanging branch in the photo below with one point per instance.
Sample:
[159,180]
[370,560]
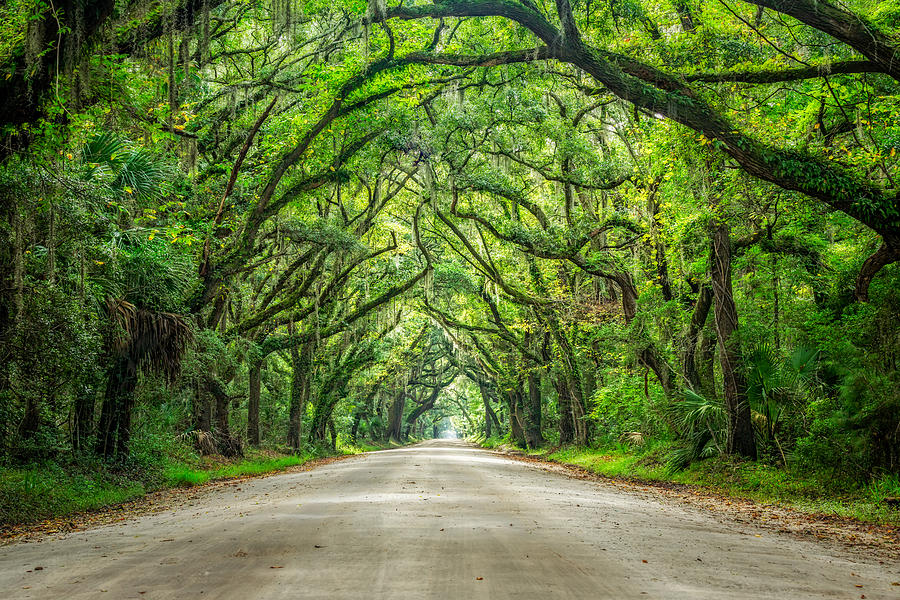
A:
[220,212]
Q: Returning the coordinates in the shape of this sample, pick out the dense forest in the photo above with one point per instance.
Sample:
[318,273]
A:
[290,224]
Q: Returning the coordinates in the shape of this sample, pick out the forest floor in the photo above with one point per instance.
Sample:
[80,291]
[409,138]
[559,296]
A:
[438,520]
[878,530]
[48,498]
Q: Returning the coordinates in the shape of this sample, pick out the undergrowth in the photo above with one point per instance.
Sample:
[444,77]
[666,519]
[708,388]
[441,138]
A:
[813,492]
[51,489]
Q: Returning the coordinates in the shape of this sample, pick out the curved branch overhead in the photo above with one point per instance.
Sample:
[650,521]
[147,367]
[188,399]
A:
[310,226]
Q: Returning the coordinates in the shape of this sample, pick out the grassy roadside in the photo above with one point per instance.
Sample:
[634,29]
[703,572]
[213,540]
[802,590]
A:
[810,492]
[38,491]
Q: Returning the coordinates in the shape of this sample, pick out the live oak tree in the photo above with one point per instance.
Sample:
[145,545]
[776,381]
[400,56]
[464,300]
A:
[556,222]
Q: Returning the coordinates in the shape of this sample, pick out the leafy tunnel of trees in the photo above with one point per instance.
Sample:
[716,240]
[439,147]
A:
[289,223]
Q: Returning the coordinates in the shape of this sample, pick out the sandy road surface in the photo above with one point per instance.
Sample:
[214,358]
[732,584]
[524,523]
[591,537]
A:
[437,520]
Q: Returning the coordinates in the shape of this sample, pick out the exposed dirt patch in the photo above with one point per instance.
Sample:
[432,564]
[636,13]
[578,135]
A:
[869,539]
[154,502]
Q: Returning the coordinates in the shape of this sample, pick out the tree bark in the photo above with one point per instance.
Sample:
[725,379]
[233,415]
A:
[850,28]
[226,444]
[741,439]
[564,404]
[490,417]
[299,394]
[513,401]
[395,416]
[255,377]
[533,436]
[698,321]
[706,362]
[114,431]
[882,257]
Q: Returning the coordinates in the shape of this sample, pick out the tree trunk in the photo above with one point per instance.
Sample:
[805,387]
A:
[533,436]
[698,321]
[226,444]
[564,403]
[706,363]
[114,431]
[255,376]
[332,431]
[882,257]
[514,401]
[741,439]
[395,417]
[299,395]
[354,429]
[202,412]
[489,417]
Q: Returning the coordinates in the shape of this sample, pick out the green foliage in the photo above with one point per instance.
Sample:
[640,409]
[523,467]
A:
[391,222]
[49,489]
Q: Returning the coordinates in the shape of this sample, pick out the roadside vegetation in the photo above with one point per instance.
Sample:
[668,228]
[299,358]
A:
[231,226]
[811,491]
[51,489]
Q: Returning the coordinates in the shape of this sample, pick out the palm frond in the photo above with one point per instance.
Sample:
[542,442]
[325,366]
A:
[141,173]
[149,341]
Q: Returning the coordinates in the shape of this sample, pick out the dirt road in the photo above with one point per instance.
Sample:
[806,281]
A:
[437,520]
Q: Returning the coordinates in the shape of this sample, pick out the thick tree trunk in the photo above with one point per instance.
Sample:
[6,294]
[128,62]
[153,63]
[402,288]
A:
[255,377]
[533,436]
[395,417]
[31,421]
[514,401]
[564,403]
[202,411]
[579,414]
[488,432]
[741,439]
[490,417]
[114,431]
[426,405]
[226,444]
[581,426]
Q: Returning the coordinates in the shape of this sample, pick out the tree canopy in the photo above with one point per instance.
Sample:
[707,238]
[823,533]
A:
[294,222]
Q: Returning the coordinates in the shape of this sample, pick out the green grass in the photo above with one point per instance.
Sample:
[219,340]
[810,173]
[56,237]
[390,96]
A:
[42,491]
[38,491]
[813,492]
[182,475]
[361,446]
